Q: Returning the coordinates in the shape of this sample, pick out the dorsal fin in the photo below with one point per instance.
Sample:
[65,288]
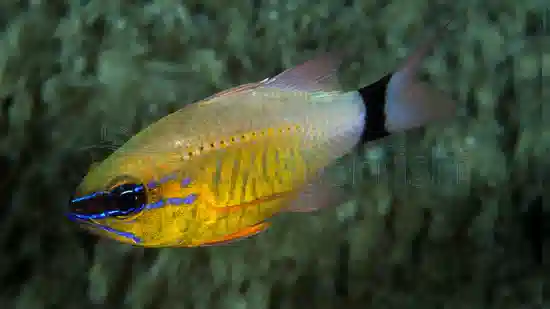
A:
[230,91]
[318,74]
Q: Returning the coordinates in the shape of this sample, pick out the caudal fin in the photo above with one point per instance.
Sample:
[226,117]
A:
[399,101]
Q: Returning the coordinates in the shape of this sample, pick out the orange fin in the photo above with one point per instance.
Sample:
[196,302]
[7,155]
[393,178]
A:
[318,74]
[244,233]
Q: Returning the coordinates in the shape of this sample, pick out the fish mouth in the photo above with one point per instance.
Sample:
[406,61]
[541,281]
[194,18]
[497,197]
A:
[76,218]
[85,223]
[121,201]
[87,207]
[103,230]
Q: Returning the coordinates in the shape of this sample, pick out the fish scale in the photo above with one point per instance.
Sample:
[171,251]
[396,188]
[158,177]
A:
[242,176]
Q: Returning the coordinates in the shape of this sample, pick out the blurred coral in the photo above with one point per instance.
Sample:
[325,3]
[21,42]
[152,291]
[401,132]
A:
[446,217]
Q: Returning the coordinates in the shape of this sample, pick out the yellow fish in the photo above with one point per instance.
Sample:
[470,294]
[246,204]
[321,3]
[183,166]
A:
[216,170]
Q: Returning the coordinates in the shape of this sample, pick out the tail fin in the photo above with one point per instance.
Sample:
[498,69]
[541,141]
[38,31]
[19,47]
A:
[399,101]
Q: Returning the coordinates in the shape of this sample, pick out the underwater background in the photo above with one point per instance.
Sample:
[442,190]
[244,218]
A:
[451,216]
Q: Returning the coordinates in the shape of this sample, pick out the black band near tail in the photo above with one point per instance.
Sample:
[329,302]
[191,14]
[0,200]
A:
[374,97]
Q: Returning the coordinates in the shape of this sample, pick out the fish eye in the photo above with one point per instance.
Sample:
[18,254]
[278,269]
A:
[127,198]
[120,201]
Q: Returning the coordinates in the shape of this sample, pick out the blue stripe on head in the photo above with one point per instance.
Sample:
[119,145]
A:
[108,213]
[154,205]
[153,184]
[89,196]
[127,235]
[185,182]
[121,201]
[190,199]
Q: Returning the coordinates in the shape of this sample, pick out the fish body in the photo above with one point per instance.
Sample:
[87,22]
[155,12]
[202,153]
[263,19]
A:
[217,170]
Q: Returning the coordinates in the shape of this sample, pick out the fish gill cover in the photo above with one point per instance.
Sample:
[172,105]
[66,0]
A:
[447,216]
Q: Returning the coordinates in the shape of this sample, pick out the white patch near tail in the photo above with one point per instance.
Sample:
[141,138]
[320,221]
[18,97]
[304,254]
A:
[412,103]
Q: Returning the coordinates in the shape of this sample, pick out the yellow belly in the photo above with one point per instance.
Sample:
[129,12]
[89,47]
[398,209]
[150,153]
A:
[231,223]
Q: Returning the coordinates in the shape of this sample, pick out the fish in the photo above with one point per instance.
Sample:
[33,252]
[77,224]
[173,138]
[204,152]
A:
[217,170]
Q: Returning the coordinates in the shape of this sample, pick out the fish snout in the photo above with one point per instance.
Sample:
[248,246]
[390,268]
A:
[121,201]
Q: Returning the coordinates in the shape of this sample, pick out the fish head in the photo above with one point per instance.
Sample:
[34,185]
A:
[136,200]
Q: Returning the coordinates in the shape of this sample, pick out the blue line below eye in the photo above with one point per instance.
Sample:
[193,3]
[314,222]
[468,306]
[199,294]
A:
[185,182]
[128,235]
[120,233]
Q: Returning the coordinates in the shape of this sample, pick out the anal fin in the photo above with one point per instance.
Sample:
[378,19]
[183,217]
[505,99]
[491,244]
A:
[316,195]
[244,233]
